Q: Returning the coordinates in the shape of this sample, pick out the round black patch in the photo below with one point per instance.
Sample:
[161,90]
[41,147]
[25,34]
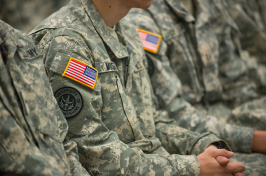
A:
[69,100]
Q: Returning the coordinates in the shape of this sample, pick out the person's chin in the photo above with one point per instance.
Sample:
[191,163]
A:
[146,5]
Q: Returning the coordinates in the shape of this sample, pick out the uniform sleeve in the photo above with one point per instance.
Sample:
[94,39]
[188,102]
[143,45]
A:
[18,152]
[100,149]
[70,147]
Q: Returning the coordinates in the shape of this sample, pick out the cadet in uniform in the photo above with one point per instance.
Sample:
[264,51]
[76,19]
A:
[201,52]
[33,127]
[97,69]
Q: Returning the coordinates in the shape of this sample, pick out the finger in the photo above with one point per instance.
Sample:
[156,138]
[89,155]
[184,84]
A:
[221,152]
[235,167]
[223,161]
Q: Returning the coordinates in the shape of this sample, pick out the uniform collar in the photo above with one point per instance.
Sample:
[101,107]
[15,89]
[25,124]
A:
[180,10]
[118,48]
[202,14]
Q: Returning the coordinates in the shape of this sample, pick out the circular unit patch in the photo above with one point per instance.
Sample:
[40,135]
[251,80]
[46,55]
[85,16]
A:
[69,100]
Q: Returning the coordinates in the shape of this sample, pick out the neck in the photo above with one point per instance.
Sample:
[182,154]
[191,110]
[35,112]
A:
[112,11]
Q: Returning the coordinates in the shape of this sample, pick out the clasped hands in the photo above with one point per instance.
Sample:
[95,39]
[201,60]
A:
[216,162]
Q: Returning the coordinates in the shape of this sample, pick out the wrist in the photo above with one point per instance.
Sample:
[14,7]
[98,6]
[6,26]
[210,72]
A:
[217,145]
[259,142]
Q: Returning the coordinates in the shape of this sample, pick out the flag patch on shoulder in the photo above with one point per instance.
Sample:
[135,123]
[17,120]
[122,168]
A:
[150,41]
[81,72]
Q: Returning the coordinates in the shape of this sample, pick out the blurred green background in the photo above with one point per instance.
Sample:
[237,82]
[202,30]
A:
[26,14]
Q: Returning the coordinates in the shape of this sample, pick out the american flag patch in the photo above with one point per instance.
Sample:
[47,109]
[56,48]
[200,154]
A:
[150,41]
[81,73]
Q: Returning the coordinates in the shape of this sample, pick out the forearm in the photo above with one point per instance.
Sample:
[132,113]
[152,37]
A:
[182,141]
[107,155]
[239,138]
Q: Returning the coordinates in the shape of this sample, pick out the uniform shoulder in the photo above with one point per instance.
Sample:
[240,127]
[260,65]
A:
[141,19]
[13,38]
[63,18]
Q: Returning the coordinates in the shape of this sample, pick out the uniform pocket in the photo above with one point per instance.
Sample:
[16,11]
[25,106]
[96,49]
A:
[176,31]
[117,114]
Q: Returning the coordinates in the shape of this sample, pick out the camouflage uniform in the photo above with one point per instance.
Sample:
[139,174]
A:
[113,120]
[262,8]
[26,14]
[201,52]
[247,16]
[32,125]
[26,139]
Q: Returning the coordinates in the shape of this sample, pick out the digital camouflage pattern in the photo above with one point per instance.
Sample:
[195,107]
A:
[212,73]
[33,127]
[248,16]
[31,141]
[26,14]
[262,7]
[115,131]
